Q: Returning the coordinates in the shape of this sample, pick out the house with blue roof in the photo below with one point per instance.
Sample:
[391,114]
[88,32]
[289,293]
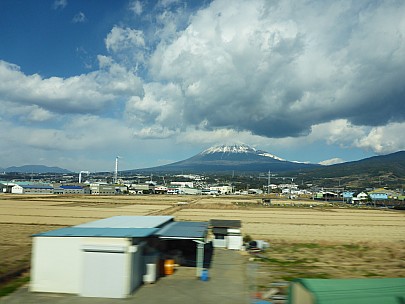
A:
[378,196]
[348,196]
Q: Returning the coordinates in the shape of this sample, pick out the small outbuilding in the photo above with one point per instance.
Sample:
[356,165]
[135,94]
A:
[111,257]
[185,242]
[347,291]
[227,233]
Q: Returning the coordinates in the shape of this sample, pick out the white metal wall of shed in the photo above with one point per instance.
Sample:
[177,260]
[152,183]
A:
[56,264]
[234,242]
[111,271]
[105,274]
[219,243]
[138,267]
[112,268]
[71,264]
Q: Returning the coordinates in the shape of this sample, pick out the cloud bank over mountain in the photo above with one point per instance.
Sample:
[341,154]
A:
[279,74]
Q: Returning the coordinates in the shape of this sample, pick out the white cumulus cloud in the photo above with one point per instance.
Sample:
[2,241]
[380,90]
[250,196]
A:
[123,38]
[80,17]
[279,68]
[84,93]
[59,4]
[136,7]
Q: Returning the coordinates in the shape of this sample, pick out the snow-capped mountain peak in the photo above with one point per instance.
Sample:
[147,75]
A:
[238,149]
[229,149]
[271,156]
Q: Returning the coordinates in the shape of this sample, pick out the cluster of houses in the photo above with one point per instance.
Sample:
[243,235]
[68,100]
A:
[371,196]
[111,189]
[189,188]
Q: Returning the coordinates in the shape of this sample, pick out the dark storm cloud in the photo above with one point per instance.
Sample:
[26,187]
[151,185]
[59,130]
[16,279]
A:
[277,69]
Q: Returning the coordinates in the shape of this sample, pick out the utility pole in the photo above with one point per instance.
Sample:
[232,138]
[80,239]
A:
[268,183]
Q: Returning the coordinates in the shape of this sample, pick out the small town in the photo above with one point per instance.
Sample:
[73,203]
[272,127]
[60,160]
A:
[197,184]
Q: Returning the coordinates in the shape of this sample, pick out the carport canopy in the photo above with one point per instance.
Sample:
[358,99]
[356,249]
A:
[184,231]
[194,231]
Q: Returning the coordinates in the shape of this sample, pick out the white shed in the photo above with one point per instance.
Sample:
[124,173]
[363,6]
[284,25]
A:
[17,189]
[103,258]
[227,233]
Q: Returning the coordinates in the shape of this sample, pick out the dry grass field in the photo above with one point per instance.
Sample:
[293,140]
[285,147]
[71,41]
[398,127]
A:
[306,238]
[310,224]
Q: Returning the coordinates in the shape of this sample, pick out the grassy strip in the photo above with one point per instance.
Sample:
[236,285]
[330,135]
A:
[13,285]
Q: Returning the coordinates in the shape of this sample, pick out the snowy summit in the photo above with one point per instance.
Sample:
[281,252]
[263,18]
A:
[239,149]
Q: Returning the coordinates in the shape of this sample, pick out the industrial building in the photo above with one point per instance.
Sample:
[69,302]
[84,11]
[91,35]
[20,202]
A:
[112,257]
[224,189]
[32,189]
[148,188]
[103,189]
[71,189]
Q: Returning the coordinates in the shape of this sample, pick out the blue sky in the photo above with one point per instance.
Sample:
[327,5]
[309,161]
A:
[154,82]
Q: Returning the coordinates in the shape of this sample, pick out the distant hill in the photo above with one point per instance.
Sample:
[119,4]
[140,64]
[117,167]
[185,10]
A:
[237,158]
[393,163]
[35,169]
[377,171]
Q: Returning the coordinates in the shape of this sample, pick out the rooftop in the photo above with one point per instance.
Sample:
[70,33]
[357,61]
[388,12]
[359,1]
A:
[73,187]
[100,232]
[345,291]
[123,221]
[36,187]
[226,223]
[184,230]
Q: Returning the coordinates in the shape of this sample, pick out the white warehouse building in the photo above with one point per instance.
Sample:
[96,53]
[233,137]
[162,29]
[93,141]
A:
[222,189]
[32,189]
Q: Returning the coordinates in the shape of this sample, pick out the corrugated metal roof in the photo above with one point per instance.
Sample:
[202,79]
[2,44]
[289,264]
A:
[71,187]
[348,291]
[36,187]
[99,232]
[134,226]
[184,230]
[226,223]
[129,222]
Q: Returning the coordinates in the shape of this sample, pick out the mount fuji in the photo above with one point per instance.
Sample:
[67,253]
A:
[227,158]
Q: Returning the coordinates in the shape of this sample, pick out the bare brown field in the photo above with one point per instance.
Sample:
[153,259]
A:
[309,238]
[310,224]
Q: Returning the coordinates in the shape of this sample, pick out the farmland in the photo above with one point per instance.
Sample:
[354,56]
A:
[306,238]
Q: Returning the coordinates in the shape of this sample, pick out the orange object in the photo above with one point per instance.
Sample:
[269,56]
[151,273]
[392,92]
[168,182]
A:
[169,267]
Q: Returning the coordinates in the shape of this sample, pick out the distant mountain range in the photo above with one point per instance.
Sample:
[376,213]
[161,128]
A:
[237,158]
[393,164]
[242,158]
[34,169]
